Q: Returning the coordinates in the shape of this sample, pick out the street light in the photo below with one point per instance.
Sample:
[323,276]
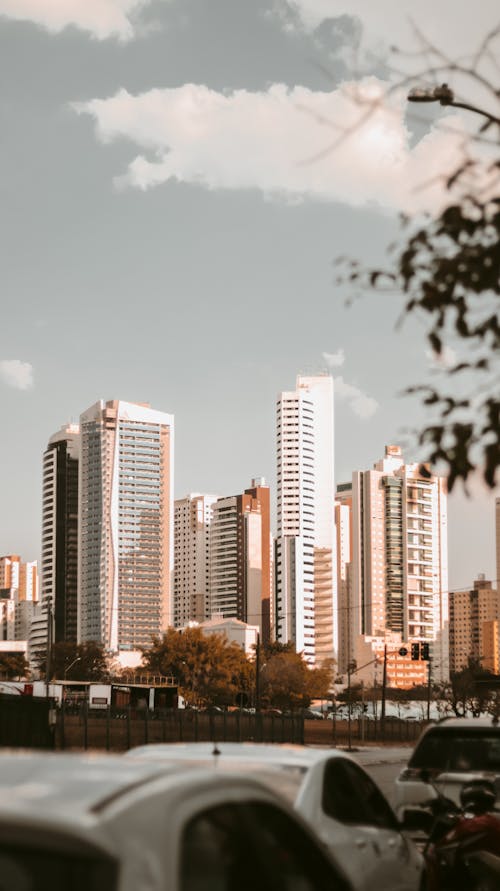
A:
[445,96]
[78,659]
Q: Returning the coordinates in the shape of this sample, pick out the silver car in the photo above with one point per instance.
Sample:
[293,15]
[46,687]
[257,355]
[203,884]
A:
[102,823]
[449,754]
[331,791]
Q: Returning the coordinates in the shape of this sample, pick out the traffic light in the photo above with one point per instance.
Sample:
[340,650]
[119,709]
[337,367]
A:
[424,651]
[415,652]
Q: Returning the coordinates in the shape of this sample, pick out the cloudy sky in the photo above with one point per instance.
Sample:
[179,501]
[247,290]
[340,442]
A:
[176,180]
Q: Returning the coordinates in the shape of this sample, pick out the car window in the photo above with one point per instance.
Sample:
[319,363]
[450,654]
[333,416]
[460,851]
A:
[252,847]
[351,796]
[24,868]
[461,751]
[293,860]
[215,854]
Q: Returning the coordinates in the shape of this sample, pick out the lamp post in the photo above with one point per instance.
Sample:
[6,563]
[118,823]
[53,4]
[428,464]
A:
[445,96]
[78,659]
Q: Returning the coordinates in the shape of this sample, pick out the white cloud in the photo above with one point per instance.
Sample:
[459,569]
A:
[101,18]
[334,360]
[275,141]
[16,374]
[360,403]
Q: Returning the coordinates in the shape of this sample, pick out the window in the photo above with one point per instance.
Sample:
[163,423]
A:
[38,868]
[350,796]
[244,847]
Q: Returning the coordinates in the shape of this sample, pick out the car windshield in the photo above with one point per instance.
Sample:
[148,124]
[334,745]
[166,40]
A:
[30,869]
[461,751]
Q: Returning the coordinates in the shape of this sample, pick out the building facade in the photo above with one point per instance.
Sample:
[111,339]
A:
[305,563]
[125,528]
[18,577]
[193,517]
[60,529]
[399,566]
[474,626]
[241,575]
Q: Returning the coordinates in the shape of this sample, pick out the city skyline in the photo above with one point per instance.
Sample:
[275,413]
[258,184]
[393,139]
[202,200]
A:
[171,217]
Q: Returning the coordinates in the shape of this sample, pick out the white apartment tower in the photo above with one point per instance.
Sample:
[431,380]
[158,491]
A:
[306,608]
[125,529]
[192,519]
[399,573]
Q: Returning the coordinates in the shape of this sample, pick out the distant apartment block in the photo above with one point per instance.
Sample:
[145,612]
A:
[59,569]
[398,576]
[192,520]
[241,557]
[18,597]
[19,577]
[125,531]
[474,626]
[305,564]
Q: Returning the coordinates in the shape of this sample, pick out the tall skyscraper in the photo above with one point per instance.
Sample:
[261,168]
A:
[474,626]
[125,525]
[60,529]
[240,557]
[306,608]
[192,519]
[399,574]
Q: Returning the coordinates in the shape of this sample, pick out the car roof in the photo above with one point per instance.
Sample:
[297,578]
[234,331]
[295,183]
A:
[270,753]
[450,724]
[72,791]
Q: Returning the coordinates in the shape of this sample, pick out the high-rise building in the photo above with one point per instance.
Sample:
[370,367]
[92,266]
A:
[399,572]
[10,566]
[241,558]
[474,626]
[343,530]
[18,577]
[125,526]
[306,608]
[60,529]
[497,539]
[192,519]
[18,596]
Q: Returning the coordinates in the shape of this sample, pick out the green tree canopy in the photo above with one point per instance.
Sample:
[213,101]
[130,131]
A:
[286,680]
[209,669]
[13,666]
[76,662]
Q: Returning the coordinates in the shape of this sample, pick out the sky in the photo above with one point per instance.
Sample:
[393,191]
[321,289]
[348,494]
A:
[177,179]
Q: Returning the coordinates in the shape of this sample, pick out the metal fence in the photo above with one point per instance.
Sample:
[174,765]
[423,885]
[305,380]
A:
[118,729]
[26,722]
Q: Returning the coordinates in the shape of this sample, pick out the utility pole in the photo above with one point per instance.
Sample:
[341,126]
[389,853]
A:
[384,685]
[257,673]
[429,687]
[48,662]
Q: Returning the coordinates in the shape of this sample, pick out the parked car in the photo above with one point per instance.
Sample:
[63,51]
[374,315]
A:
[331,791]
[103,823]
[450,753]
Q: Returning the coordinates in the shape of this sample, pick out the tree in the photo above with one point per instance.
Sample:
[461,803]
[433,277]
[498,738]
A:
[209,669]
[286,680]
[448,269]
[13,666]
[76,662]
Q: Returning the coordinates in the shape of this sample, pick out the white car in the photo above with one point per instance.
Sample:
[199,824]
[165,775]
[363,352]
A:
[449,754]
[331,791]
[102,823]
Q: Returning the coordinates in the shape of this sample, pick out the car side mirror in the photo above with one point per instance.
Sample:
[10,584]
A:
[416,819]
